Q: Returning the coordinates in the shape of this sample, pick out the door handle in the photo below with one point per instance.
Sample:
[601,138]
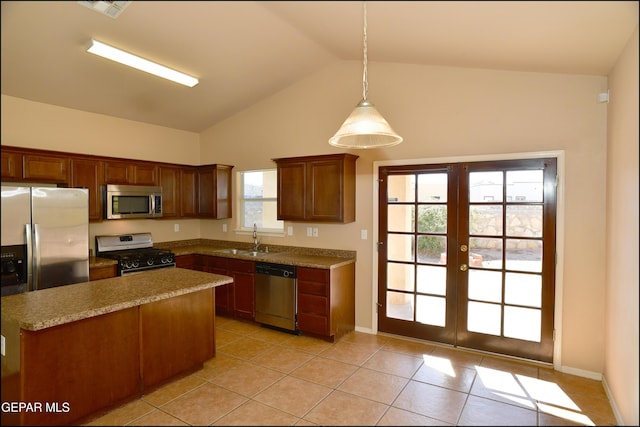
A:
[464,267]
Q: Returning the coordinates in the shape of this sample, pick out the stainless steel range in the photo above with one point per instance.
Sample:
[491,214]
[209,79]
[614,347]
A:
[135,253]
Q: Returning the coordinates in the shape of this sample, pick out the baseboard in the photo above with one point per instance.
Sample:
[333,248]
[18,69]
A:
[612,401]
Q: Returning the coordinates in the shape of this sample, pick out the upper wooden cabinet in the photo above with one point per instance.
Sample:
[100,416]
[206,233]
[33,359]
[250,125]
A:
[214,191]
[44,168]
[88,173]
[116,172]
[317,188]
[188,191]
[11,165]
[169,178]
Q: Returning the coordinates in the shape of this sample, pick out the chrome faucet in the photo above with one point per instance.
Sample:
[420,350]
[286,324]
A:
[256,242]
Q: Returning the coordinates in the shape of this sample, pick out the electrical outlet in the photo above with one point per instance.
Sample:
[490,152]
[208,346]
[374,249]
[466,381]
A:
[315,231]
[176,227]
[309,231]
[363,234]
[290,231]
[224,228]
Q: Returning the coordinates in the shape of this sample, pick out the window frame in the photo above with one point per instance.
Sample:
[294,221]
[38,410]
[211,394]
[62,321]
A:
[242,200]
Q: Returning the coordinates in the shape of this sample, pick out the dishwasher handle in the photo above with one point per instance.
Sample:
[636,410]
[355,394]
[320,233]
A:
[280,270]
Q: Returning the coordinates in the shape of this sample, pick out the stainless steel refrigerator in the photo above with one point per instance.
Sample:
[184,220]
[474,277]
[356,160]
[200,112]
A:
[45,237]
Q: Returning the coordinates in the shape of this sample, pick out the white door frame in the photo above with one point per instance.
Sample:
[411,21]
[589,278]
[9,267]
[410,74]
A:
[559,155]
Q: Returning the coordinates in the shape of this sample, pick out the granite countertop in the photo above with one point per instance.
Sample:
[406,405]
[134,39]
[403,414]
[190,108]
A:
[64,304]
[95,261]
[301,257]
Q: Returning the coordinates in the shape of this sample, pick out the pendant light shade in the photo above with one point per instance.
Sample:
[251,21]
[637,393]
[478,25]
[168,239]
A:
[365,127]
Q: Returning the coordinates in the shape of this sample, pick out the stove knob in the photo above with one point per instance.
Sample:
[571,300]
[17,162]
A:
[150,261]
[135,264]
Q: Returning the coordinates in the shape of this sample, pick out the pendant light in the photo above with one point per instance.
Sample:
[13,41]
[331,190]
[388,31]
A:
[365,127]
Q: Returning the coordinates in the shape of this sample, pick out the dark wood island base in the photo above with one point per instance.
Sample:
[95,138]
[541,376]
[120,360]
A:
[71,371]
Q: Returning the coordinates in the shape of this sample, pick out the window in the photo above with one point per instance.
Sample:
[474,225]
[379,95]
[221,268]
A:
[258,200]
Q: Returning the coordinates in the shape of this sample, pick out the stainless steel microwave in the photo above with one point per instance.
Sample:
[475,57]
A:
[132,201]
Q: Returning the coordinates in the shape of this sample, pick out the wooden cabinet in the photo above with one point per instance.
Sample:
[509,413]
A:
[44,168]
[88,173]
[236,299]
[130,172]
[89,365]
[169,179]
[103,272]
[326,301]
[186,261]
[188,192]
[86,366]
[244,279]
[11,165]
[317,188]
[224,293]
[176,335]
[214,191]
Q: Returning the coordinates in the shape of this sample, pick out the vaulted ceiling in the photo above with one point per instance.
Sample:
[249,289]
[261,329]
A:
[243,51]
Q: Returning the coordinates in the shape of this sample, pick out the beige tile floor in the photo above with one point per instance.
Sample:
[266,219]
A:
[264,377]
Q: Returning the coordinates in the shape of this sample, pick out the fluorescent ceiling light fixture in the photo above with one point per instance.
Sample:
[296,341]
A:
[109,52]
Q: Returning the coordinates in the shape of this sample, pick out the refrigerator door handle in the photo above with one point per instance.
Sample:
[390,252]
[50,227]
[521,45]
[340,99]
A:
[27,230]
[36,257]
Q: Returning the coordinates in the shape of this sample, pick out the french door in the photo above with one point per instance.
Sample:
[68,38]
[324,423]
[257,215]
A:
[466,254]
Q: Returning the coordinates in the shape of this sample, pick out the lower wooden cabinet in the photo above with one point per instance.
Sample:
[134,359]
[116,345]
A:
[244,283]
[236,299]
[82,367]
[176,335]
[326,301]
[103,272]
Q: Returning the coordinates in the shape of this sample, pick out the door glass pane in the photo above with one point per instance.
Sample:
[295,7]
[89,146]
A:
[432,280]
[524,255]
[483,318]
[522,323]
[524,220]
[432,187]
[400,247]
[401,188]
[400,306]
[400,218]
[525,186]
[431,248]
[490,251]
[485,187]
[432,219]
[400,277]
[485,220]
[523,289]
[431,310]
[485,285]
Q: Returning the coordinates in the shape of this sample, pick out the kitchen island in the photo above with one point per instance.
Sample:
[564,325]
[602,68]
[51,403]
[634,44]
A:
[74,350]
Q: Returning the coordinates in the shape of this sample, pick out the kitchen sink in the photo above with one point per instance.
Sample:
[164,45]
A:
[229,251]
[244,252]
[250,253]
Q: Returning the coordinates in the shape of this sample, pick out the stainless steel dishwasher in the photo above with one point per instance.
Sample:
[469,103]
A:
[276,295]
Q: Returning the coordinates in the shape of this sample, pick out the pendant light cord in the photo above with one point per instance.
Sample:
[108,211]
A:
[365,82]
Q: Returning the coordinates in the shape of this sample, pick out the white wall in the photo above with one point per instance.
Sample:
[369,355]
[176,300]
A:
[621,330]
[446,112]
